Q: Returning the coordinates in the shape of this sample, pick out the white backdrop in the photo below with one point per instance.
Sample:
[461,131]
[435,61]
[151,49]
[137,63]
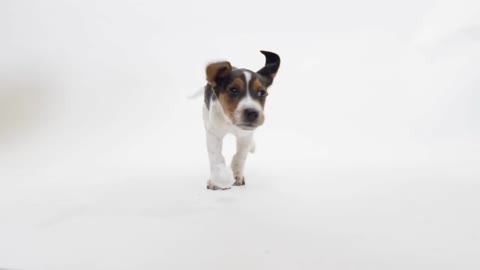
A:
[369,158]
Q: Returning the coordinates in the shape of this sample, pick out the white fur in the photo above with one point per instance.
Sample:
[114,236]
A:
[217,125]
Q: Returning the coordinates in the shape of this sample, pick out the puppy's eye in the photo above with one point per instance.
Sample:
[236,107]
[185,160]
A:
[262,93]
[233,92]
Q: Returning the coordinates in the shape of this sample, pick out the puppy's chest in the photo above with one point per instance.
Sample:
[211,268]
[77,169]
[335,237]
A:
[216,119]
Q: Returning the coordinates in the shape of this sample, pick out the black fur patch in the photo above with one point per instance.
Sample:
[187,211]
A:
[208,95]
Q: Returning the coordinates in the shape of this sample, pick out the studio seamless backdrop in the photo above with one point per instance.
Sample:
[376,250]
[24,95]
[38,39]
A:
[368,158]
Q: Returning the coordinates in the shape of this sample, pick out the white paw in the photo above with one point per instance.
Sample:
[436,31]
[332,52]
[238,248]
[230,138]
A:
[214,187]
[222,178]
[239,181]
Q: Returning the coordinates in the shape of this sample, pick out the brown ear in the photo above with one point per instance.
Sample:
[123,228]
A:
[216,71]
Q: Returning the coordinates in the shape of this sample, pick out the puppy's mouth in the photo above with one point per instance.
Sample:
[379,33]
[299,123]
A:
[247,126]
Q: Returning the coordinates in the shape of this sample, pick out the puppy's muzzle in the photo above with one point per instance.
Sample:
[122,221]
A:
[250,115]
[250,119]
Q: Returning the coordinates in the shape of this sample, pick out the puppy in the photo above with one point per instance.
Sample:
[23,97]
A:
[234,103]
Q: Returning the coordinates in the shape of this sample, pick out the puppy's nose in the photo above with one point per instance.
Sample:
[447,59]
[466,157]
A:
[250,114]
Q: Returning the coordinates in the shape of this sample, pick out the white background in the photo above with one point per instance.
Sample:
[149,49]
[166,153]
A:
[369,158]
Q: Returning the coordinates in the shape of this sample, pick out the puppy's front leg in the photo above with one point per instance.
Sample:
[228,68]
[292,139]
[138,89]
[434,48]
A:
[221,177]
[244,145]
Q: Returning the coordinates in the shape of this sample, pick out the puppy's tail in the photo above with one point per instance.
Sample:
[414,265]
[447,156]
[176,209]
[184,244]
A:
[196,94]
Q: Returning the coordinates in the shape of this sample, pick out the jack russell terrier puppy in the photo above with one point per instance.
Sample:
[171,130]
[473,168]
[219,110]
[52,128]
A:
[234,103]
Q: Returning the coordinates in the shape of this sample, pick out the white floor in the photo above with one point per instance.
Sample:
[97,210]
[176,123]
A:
[362,215]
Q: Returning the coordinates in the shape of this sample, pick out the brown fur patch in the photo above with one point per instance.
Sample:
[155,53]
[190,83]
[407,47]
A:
[257,85]
[238,83]
[229,104]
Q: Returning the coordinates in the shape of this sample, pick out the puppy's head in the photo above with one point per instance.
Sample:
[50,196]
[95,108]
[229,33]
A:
[242,92]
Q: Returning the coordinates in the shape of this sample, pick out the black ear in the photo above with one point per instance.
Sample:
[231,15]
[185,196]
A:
[217,71]
[272,63]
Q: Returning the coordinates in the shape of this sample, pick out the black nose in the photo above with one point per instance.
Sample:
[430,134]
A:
[250,115]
